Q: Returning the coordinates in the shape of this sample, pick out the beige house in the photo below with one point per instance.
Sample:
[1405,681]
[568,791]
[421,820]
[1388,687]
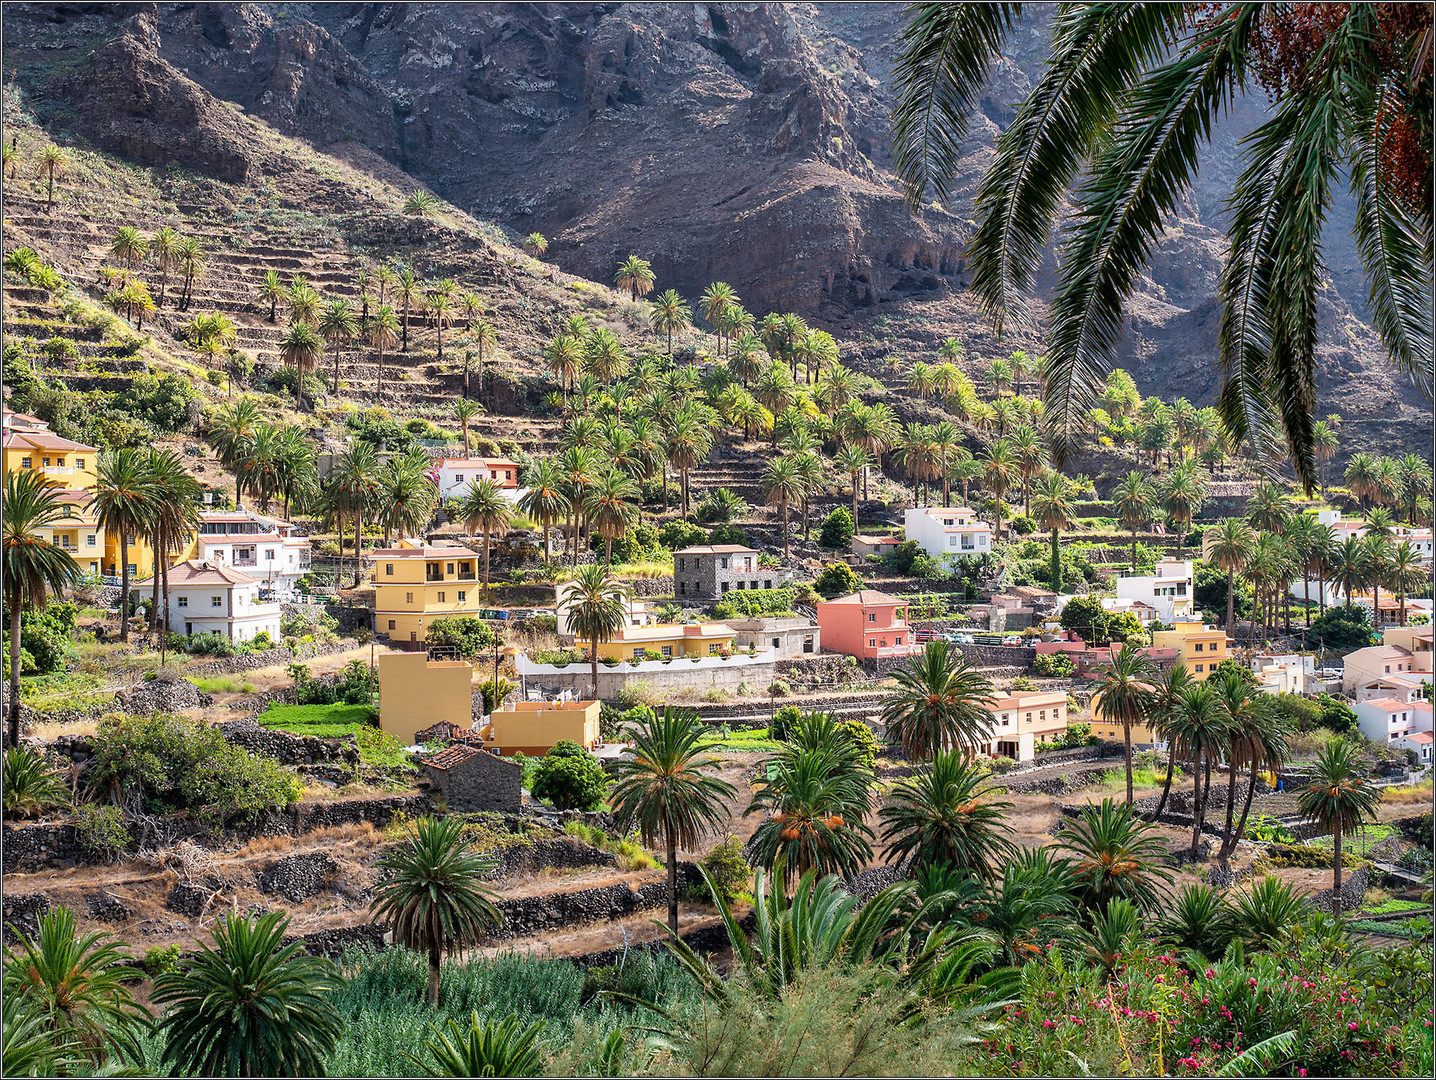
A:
[1381,671]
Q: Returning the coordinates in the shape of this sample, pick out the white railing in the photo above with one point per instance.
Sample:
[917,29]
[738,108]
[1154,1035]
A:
[525,666]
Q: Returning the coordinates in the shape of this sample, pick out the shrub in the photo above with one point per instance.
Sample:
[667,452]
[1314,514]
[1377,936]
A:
[571,778]
[728,534]
[721,506]
[1023,684]
[160,959]
[754,603]
[101,831]
[1335,714]
[783,721]
[639,692]
[901,558]
[778,688]
[731,873]
[1342,629]
[1303,713]
[45,635]
[838,579]
[468,636]
[177,763]
[681,534]
[1054,665]
[1085,617]
[863,738]
[1023,525]
[838,528]
[494,691]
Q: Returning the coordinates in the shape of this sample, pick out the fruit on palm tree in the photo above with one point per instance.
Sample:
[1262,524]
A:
[815,803]
[535,244]
[636,276]
[484,509]
[1337,801]
[939,703]
[1052,507]
[946,816]
[32,784]
[1127,696]
[1115,855]
[273,290]
[123,501]
[1132,503]
[336,325]
[433,894]
[249,1005]
[1128,98]
[301,349]
[53,163]
[597,607]
[76,983]
[505,1048]
[421,204]
[545,502]
[667,785]
[1231,552]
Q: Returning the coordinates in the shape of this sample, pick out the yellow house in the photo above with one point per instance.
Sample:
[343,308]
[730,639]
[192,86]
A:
[414,584]
[1200,647]
[416,693]
[1110,730]
[536,727]
[668,640]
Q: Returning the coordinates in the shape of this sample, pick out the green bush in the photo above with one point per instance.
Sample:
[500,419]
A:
[1342,629]
[779,688]
[1023,525]
[1085,617]
[639,692]
[838,528]
[638,544]
[728,534]
[1054,665]
[571,778]
[900,559]
[731,873]
[45,635]
[754,603]
[467,635]
[838,579]
[1336,715]
[177,763]
[101,830]
[161,401]
[783,721]
[681,534]
[160,959]
[1302,713]
[863,738]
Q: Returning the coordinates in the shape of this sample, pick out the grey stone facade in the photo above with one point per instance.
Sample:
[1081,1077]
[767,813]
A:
[707,572]
[468,778]
[790,637]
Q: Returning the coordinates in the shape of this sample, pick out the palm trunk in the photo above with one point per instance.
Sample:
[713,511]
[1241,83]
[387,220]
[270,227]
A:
[787,549]
[155,590]
[404,347]
[672,845]
[1196,796]
[15,669]
[1246,809]
[334,388]
[1199,806]
[608,552]
[1127,752]
[1057,588]
[124,588]
[855,503]
[593,662]
[299,391]
[1231,600]
[1227,843]
[1166,785]
[1134,570]
[434,975]
[486,558]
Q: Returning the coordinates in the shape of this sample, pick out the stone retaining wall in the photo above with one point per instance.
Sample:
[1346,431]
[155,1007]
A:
[821,670]
[290,749]
[1000,656]
[1353,892]
[280,654]
[529,915]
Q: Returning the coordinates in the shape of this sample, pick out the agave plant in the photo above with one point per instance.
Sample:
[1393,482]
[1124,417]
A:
[32,784]
[482,1049]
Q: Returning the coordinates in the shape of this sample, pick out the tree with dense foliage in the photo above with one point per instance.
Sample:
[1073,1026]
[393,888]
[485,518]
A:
[249,1005]
[596,604]
[939,703]
[433,894]
[670,313]
[1130,96]
[1052,509]
[635,276]
[1181,493]
[668,785]
[782,485]
[545,501]
[301,349]
[1337,801]
[945,815]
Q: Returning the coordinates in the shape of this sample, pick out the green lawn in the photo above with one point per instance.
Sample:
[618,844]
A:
[376,747]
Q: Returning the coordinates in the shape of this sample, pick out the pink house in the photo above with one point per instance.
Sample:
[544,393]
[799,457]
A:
[868,624]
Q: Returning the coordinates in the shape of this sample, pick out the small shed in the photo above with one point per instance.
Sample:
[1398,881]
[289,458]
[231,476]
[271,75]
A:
[471,778]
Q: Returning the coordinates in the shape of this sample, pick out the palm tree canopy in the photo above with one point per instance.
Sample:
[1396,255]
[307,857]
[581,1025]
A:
[940,703]
[666,783]
[945,815]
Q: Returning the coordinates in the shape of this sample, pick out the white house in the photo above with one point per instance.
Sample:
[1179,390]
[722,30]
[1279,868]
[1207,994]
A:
[1385,720]
[457,475]
[949,533]
[1168,591]
[270,550]
[1284,673]
[1418,741]
[210,598]
[1381,671]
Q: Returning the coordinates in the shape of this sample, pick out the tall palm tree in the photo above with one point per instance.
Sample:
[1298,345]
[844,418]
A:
[34,566]
[918,456]
[1303,534]
[855,460]
[1031,456]
[1128,696]
[304,302]
[296,471]
[545,501]
[999,473]
[1360,477]
[383,333]
[1405,573]
[1133,502]
[53,163]
[1169,688]
[482,334]
[164,247]
[409,291]
[464,412]
[1198,726]
[1053,510]
[670,313]
[1349,567]
[124,502]
[1132,122]
[1415,482]
[441,308]
[336,325]
[301,349]
[782,484]
[1232,550]
[1338,802]
[609,508]
[130,245]
[597,606]
[273,290]
[433,894]
[1181,493]
[1267,508]
[485,510]
[688,441]
[580,468]
[668,785]
[353,485]
[175,520]
[636,276]
[946,815]
[1243,705]
[1115,855]
[939,703]
[250,1005]
[406,494]
[1323,445]
[1376,550]
[718,298]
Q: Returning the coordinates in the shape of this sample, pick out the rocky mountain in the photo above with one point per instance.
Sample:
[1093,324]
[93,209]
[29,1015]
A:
[744,142]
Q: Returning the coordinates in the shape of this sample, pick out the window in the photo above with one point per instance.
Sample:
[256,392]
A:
[463,596]
[638,654]
[775,643]
[872,643]
[133,569]
[724,587]
[872,617]
[1198,647]
[449,569]
[667,651]
[740,584]
[767,583]
[442,597]
[897,640]
[182,601]
[508,474]
[129,538]
[90,540]
[682,588]
[1199,669]
[1042,714]
[724,561]
[458,478]
[45,461]
[216,601]
[391,624]
[389,569]
[269,554]
[60,462]
[413,636]
[680,562]
[1004,720]
[408,598]
[24,463]
[79,463]
[713,648]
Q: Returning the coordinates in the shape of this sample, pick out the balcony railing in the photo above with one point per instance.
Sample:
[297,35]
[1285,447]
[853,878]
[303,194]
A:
[58,470]
[245,562]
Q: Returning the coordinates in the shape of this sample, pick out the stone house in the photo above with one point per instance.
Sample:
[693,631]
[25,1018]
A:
[470,778]
[787,636]
[707,571]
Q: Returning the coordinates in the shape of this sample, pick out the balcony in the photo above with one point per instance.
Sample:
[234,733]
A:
[244,562]
[57,470]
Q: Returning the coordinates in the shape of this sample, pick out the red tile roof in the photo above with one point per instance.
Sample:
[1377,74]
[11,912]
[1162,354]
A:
[451,756]
[194,572]
[20,438]
[425,552]
[866,597]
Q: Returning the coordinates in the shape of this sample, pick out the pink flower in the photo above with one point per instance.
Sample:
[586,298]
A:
[1351,1026]
[1300,1072]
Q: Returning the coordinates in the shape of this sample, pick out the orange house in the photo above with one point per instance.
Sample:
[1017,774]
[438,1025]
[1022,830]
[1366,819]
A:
[867,624]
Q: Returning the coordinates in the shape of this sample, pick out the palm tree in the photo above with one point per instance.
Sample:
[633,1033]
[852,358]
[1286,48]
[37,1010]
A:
[353,484]
[1127,696]
[464,411]
[273,289]
[1349,567]
[1415,477]
[304,302]
[1337,802]
[123,501]
[1232,551]
[580,468]
[689,439]
[1133,502]
[815,802]
[484,509]
[667,784]
[441,307]
[483,1049]
[1197,725]
[782,484]
[563,355]
[1170,687]
[671,312]
[53,163]
[1267,508]
[597,607]
[854,460]
[250,1005]
[421,204]
[1360,477]
[336,325]
[609,508]
[1116,856]
[718,298]
[409,290]
[301,349]
[433,894]
[1181,493]
[1053,510]
[636,276]
[999,471]
[34,566]
[544,501]
[482,334]
[1133,123]
[1256,737]
[1405,573]
[939,703]
[1031,456]
[406,494]
[383,332]
[11,166]
[945,815]
[229,429]
[130,245]
[1323,445]
[77,984]
[1376,551]
[176,518]
[535,244]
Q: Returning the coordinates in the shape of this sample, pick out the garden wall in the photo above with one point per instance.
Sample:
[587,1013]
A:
[676,676]
[528,915]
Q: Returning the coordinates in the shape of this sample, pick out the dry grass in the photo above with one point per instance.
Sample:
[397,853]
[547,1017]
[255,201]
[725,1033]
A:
[329,836]
[1407,796]
[48,731]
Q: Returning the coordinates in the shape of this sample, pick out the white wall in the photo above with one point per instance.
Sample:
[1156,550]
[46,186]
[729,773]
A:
[935,539]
